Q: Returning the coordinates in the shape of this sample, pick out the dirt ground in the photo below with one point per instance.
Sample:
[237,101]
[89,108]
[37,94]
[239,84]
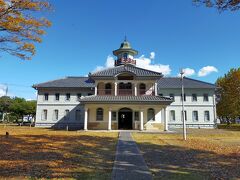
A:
[32,153]
[207,154]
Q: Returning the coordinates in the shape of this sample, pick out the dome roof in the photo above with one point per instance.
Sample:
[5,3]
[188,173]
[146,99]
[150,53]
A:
[125,45]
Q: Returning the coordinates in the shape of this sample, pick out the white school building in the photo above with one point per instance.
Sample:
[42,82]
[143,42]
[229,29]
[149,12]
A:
[124,97]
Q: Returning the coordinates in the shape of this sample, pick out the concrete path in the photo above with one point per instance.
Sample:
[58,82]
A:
[129,162]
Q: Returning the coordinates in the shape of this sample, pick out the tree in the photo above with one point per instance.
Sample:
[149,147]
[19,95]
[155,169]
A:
[31,108]
[5,103]
[229,92]
[18,107]
[221,5]
[20,28]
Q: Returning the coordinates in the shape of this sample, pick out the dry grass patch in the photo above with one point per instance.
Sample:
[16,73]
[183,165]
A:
[44,153]
[207,154]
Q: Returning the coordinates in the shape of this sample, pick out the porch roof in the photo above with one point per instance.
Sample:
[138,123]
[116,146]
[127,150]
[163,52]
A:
[127,99]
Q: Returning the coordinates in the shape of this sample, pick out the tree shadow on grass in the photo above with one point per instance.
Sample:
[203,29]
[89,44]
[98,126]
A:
[175,162]
[49,156]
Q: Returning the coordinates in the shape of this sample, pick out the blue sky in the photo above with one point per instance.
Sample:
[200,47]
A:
[85,32]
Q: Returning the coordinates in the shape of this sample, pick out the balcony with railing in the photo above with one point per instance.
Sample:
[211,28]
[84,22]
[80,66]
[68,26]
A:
[105,92]
[124,92]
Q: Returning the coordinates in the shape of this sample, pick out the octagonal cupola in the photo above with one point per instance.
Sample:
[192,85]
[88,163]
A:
[125,54]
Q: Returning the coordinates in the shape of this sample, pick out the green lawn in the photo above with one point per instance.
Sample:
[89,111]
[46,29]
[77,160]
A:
[44,154]
[207,154]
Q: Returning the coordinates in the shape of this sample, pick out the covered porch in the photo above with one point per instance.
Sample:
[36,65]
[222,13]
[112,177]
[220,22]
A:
[133,114]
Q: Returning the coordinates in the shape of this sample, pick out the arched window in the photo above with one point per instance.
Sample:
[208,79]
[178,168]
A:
[142,88]
[108,88]
[99,114]
[151,114]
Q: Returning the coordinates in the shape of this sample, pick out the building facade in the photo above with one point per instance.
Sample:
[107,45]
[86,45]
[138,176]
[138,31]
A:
[124,97]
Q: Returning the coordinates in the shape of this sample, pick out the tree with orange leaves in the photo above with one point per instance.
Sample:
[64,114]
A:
[20,28]
[221,5]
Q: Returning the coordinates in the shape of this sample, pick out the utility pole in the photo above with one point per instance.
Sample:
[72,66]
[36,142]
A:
[183,112]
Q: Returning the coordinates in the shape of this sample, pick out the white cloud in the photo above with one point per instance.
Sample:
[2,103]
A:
[152,55]
[206,71]
[108,64]
[2,90]
[146,63]
[188,72]
[141,62]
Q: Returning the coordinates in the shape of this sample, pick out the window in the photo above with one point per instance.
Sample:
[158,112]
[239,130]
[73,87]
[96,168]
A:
[172,96]
[136,115]
[151,114]
[206,116]
[194,97]
[99,114]
[205,97]
[142,88]
[185,115]
[46,97]
[114,115]
[125,89]
[78,115]
[184,96]
[108,88]
[172,115]
[68,97]
[79,95]
[66,115]
[125,55]
[55,114]
[195,116]
[44,115]
[57,96]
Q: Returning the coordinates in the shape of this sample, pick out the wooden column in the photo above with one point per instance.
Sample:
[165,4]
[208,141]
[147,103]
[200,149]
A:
[141,120]
[165,119]
[86,119]
[135,89]
[155,89]
[96,90]
[110,119]
[115,89]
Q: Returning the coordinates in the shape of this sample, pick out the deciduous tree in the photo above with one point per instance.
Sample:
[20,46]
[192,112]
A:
[229,105]
[221,5]
[20,27]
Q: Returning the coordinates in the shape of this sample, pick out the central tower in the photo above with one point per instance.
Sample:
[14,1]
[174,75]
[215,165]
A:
[125,54]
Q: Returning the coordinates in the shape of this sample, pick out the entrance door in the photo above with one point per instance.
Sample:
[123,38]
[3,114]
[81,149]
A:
[125,118]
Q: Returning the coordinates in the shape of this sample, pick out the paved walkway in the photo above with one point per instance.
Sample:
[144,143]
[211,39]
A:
[129,162]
